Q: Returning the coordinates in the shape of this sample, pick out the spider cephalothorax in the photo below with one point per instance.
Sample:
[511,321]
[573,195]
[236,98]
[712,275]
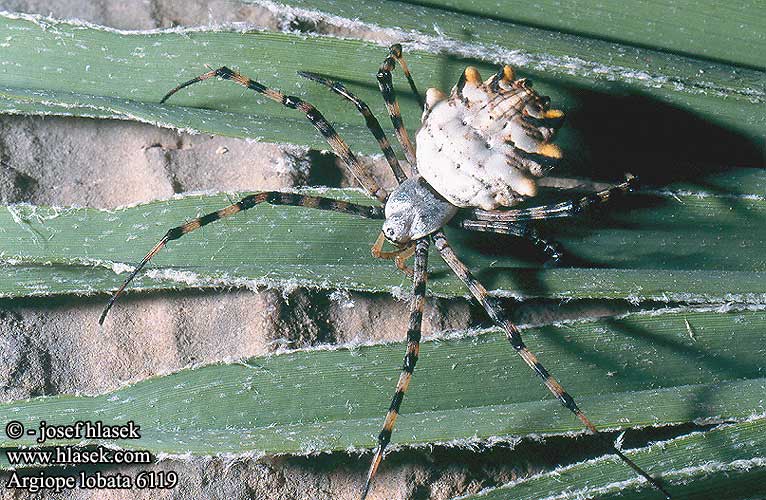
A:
[414,210]
[479,149]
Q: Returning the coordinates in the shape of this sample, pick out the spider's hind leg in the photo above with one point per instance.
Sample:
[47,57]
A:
[517,222]
[500,317]
[552,250]
[570,208]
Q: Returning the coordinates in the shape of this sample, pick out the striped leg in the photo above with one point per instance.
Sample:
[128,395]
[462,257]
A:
[410,358]
[551,249]
[565,209]
[385,83]
[372,123]
[271,197]
[396,53]
[337,144]
[377,131]
[498,315]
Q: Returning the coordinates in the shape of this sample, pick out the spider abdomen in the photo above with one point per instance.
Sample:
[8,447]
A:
[485,144]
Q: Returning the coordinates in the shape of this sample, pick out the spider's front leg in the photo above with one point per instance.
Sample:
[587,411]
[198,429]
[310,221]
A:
[500,317]
[316,118]
[410,358]
[372,123]
[246,203]
[385,83]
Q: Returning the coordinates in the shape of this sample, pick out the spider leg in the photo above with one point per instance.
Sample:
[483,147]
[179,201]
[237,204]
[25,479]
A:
[515,222]
[372,123]
[564,209]
[551,249]
[399,256]
[385,83]
[410,358]
[337,144]
[396,53]
[271,197]
[499,316]
[401,260]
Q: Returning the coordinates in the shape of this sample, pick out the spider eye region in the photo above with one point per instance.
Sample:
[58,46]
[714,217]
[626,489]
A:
[397,228]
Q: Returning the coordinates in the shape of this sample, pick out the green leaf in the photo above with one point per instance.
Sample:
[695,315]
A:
[643,369]
[658,245]
[724,463]
[85,71]
[707,29]
[704,29]
[508,31]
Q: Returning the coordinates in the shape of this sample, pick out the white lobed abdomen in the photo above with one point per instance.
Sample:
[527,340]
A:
[485,144]
[468,169]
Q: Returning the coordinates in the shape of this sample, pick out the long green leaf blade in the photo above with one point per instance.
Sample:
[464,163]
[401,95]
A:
[636,371]
[725,463]
[730,32]
[131,73]
[660,246]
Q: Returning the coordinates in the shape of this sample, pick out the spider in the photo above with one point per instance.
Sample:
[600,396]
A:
[480,150]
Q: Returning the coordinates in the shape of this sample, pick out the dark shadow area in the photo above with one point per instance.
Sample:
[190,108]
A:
[15,186]
[610,134]
[653,140]
[614,134]
[623,130]
[324,169]
[722,367]
[725,366]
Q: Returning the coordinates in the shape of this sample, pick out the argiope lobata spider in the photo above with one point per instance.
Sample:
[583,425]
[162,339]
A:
[479,152]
